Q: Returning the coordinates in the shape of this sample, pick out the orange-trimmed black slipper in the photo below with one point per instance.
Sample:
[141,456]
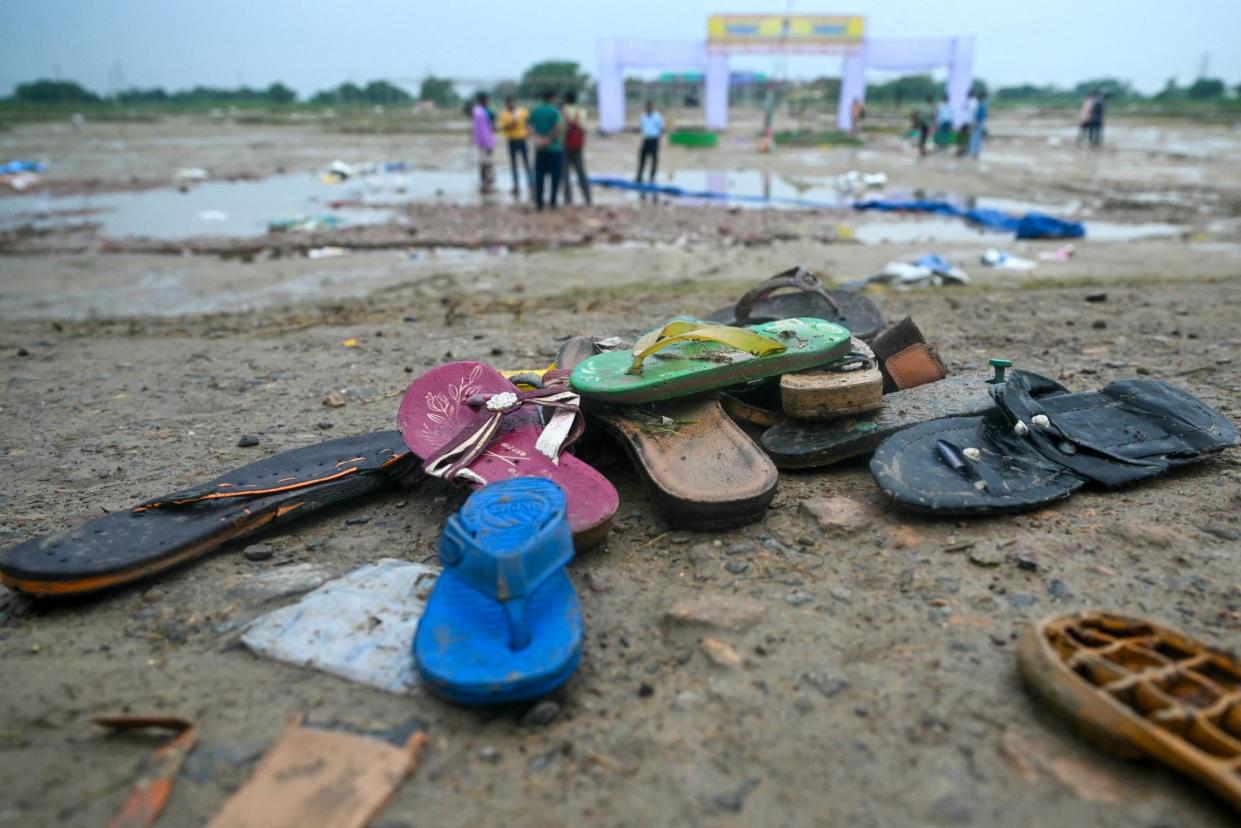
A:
[151,537]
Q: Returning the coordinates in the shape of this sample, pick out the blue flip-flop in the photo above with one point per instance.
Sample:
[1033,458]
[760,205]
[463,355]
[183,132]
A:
[503,623]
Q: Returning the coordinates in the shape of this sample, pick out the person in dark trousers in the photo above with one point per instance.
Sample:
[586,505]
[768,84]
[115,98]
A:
[548,129]
[512,124]
[923,120]
[652,130]
[574,145]
[1097,112]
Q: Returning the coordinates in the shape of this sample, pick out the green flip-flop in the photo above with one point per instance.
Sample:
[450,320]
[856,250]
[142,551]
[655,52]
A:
[688,356]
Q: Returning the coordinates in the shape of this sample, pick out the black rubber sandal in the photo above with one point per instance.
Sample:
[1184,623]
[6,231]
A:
[1030,451]
[847,308]
[122,547]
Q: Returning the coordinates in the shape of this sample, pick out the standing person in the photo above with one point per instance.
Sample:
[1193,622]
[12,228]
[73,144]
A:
[1096,119]
[574,145]
[513,127]
[924,117]
[652,130]
[1084,124]
[967,123]
[980,125]
[548,128]
[857,114]
[943,123]
[484,142]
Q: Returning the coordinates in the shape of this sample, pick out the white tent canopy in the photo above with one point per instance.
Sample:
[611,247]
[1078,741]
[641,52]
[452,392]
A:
[615,56]
[908,54]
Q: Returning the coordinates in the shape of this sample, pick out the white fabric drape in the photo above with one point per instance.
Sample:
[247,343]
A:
[908,55]
[615,56]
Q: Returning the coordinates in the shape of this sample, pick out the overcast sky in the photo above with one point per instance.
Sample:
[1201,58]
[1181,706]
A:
[314,45]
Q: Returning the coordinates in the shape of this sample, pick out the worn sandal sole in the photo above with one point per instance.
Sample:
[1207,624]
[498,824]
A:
[700,470]
[125,546]
[1142,690]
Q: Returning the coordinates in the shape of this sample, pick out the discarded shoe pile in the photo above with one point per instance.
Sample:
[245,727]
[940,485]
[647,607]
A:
[708,410]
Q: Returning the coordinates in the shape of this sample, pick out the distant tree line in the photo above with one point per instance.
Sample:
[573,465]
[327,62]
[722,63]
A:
[564,75]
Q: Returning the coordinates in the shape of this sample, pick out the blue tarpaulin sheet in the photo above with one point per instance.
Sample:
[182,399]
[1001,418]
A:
[20,166]
[1030,226]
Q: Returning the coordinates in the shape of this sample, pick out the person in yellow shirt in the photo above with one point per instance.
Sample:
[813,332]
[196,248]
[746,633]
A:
[513,127]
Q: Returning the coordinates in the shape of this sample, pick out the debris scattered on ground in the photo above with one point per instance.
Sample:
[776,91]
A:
[358,626]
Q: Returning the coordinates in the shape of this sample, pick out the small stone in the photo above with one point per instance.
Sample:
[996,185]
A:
[720,653]
[726,612]
[842,594]
[1022,600]
[645,691]
[1096,297]
[22,352]
[1219,530]
[258,552]
[736,567]
[734,801]
[247,440]
[798,598]
[1058,589]
[596,582]
[357,520]
[334,400]
[986,557]
[1098,324]
[324,426]
[743,548]
[488,754]
[541,715]
[841,514]
[1100,569]
[826,683]
[1027,563]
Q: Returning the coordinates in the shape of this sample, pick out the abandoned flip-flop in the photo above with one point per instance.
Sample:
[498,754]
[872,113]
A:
[795,444]
[809,299]
[1031,450]
[470,425]
[503,623]
[122,547]
[700,470]
[688,356]
[1141,690]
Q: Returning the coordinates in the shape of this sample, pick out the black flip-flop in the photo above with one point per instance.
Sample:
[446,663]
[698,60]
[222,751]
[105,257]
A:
[1029,450]
[847,308]
[122,547]
[796,444]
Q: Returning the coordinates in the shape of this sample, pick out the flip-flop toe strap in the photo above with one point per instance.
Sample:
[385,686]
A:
[692,330]
[478,546]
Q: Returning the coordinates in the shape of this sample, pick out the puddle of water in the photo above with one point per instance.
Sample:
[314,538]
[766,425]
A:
[239,208]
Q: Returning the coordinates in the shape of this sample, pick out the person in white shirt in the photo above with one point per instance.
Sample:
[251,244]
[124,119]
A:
[652,129]
[968,117]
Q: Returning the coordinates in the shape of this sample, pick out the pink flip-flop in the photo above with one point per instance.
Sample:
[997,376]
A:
[472,426]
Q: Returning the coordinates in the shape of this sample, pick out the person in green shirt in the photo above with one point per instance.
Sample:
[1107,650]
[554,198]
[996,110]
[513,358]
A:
[548,128]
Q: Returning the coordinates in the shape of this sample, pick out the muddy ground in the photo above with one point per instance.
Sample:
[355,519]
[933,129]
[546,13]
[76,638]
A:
[879,687]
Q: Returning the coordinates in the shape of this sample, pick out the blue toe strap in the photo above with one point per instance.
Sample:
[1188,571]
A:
[507,540]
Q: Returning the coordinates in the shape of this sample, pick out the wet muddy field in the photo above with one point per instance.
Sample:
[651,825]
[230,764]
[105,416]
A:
[876,683]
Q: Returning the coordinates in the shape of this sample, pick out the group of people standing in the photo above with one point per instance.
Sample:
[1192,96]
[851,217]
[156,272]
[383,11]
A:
[944,125]
[558,132]
[1090,121]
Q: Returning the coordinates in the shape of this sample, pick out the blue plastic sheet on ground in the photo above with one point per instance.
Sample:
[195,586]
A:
[1030,226]
[680,192]
[19,166]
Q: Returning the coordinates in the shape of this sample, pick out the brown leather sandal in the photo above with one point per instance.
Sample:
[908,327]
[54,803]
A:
[1141,690]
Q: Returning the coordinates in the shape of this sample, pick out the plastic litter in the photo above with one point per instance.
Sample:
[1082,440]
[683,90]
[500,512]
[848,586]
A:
[929,270]
[305,224]
[20,166]
[21,181]
[326,252]
[1060,254]
[358,626]
[189,174]
[1003,260]
[213,215]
